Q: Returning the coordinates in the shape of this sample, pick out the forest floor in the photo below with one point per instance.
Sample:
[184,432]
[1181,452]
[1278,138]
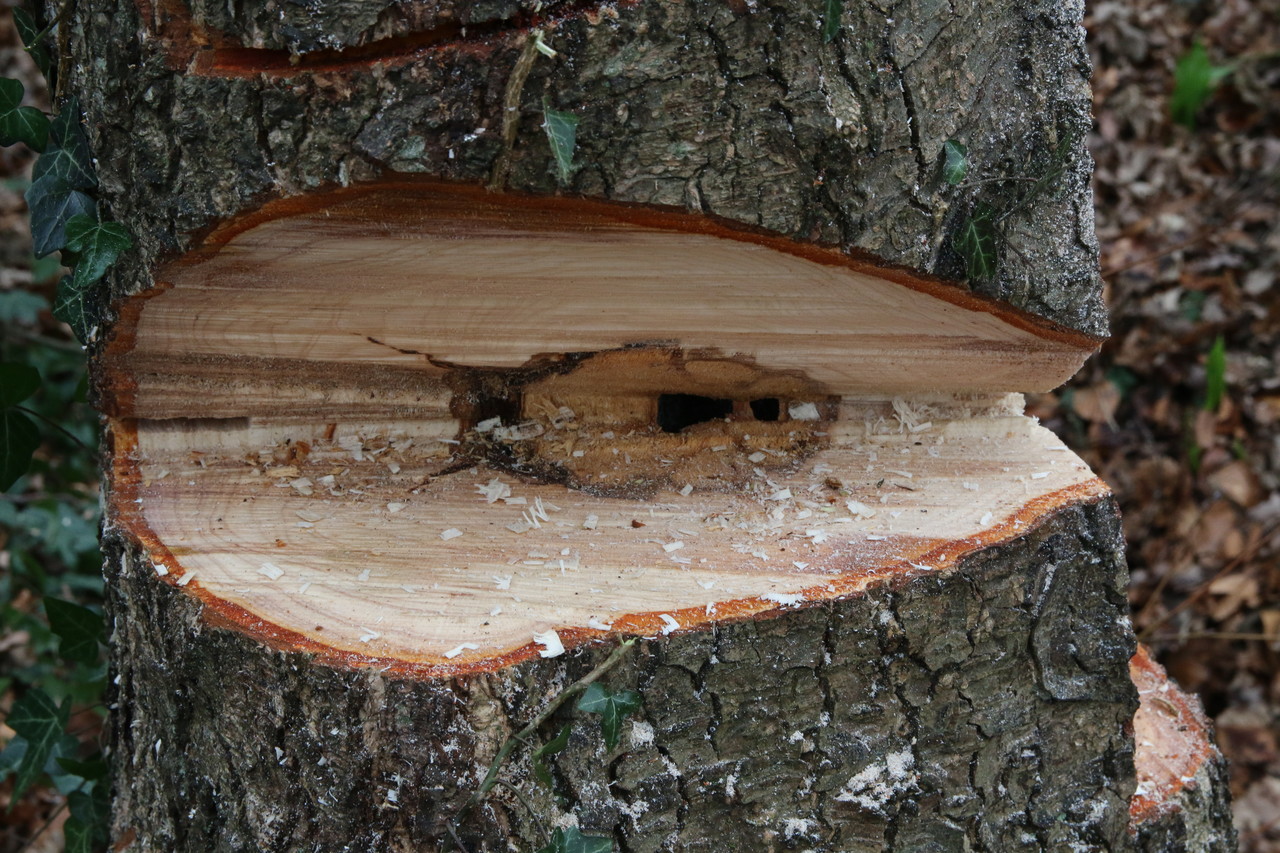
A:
[1189,223]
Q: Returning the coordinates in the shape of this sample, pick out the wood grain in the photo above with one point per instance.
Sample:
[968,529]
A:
[417,425]
[389,561]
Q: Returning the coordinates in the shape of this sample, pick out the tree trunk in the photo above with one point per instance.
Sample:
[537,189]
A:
[950,681]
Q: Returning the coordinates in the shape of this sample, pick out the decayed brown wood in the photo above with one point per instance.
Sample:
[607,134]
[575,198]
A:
[444,410]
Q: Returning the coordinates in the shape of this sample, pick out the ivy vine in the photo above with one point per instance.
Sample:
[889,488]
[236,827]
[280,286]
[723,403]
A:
[46,500]
[594,698]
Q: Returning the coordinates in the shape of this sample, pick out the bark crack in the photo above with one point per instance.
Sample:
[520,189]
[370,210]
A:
[899,649]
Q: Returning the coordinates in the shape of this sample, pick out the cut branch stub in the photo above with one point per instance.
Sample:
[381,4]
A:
[1181,801]
[419,426]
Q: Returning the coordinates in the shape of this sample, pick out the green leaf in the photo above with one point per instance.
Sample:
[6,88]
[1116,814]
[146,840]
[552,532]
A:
[17,383]
[27,125]
[612,707]
[90,813]
[1215,375]
[67,129]
[53,201]
[955,163]
[976,243]
[562,132]
[1194,80]
[551,747]
[21,307]
[28,30]
[66,164]
[595,698]
[62,531]
[71,306]
[19,123]
[11,756]
[1191,304]
[571,840]
[831,10]
[627,701]
[611,727]
[91,809]
[1124,379]
[1194,455]
[70,156]
[77,837]
[19,439]
[39,720]
[90,771]
[78,628]
[10,93]
[97,243]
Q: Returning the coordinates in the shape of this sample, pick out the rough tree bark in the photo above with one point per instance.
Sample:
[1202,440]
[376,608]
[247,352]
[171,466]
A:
[986,705]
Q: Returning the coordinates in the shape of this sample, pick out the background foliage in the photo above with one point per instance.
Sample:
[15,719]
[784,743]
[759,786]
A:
[1180,412]
[53,782]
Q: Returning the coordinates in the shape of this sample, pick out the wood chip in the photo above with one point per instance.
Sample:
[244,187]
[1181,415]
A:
[459,649]
[551,645]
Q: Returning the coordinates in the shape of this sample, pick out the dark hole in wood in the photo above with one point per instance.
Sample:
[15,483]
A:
[767,409]
[677,411]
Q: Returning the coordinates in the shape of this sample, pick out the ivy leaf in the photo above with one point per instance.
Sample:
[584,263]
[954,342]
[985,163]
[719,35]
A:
[19,439]
[77,836]
[78,628]
[571,840]
[10,93]
[20,306]
[90,810]
[53,201]
[19,123]
[97,243]
[1194,79]
[24,124]
[594,698]
[562,132]
[66,164]
[612,708]
[976,243]
[955,163]
[91,770]
[40,722]
[71,306]
[67,129]
[831,10]
[17,383]
[551,747]
[28,31]
[70,156]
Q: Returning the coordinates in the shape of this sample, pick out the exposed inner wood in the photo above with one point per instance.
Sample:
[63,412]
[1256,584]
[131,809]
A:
[429,428]
[362,542]
[1171,739]
[434,276]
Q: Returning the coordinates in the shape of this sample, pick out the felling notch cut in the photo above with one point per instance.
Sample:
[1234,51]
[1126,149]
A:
[419,426]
